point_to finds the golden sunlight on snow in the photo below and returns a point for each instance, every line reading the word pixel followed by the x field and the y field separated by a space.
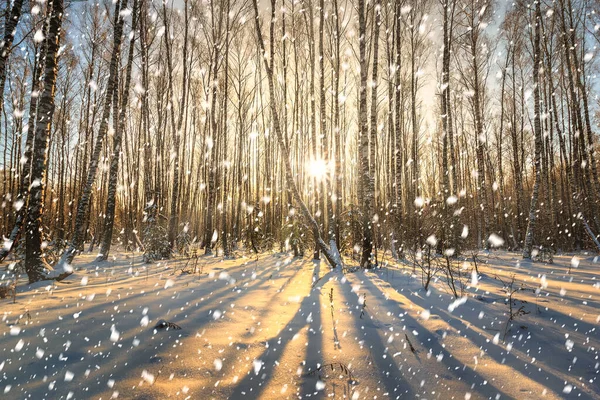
pixel 276 327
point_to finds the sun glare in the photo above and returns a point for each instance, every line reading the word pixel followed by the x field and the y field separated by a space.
pixel 317 169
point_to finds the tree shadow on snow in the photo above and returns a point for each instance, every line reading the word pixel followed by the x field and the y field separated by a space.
pixel 498 353
pixel 428 340
pixel 308 316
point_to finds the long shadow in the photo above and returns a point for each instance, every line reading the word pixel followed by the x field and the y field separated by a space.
pixel 552 381
pixel 79 359
pixel 393 379
pixel 301 265
pixel 264 313
pixel 162 350
pixel 431 342
pixel 255 382
pixel 543 301
pixel 539 301
pixel 336 388
pixel 314 349
pixel 234 350
pixel 103 305
pixel 192 294
pixel 530 268
pixel 65 289
pixel 554 320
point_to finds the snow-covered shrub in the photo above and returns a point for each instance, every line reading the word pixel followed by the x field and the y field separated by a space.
pixel 156 238
pixel 297 234
pixel 184 240
pixel 156 243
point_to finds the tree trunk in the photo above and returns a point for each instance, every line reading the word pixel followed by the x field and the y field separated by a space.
pixel 10 28
pixel 398 129
pixel 212 159
pixel 176 129
pixel 224 231
pixel 78 236
pixel 446 117
pixel 337 188
pixel 365 182
pixel 327 183
pixel 484 224
pixel 313 118
pixel 34 263
pixel 528 245
pixel 25 176
pixel 109 215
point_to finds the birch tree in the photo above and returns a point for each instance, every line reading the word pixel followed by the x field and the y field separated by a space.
pixel 109 215
pixel 537 62
pixel 333 259
pixel 63 266
pixel 35 265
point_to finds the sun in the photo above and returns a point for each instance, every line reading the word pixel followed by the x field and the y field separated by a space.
pixel 317 169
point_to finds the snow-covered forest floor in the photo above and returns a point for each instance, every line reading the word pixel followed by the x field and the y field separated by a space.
pixel 278 327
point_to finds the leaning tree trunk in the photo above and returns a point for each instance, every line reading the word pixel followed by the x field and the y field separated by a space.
pixel 332 257
pixel 68 255
pixel 527 247
pixel 35 266
pixel 109 215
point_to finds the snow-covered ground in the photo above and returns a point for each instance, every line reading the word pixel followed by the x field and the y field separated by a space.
pixel 278 327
